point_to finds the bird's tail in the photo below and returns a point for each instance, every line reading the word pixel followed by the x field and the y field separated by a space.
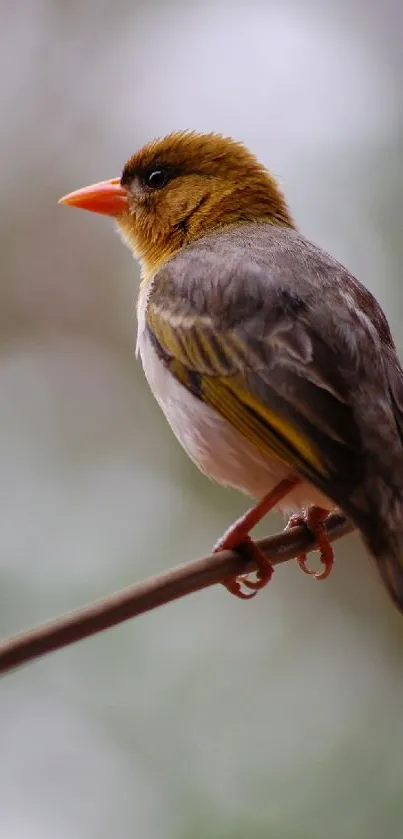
pixel 383 534
pixel 390 566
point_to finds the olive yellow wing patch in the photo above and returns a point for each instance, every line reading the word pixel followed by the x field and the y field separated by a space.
pixel 270 377
pixel 206 365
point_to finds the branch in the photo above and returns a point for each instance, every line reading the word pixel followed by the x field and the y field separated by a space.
pixel 136 599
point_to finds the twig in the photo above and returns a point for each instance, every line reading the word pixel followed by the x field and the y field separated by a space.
pixel 136 599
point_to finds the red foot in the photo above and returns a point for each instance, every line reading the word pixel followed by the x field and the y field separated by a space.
pixel 237 538
pixel 313 519
pixel 249 551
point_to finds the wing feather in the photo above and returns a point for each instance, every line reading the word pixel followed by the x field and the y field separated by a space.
pixel 254 355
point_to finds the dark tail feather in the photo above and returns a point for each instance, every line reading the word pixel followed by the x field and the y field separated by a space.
pixel 377 509
pixel 387 550
pixel 389 562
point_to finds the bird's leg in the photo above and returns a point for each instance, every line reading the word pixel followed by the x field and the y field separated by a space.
pixel 237 538
pixel 313 519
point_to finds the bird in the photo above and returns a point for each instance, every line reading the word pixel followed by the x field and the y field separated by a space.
pixel 274 366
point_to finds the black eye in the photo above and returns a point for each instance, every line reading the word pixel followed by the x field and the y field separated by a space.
pixel 156 178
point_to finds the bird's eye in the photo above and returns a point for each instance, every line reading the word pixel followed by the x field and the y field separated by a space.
pixel 156 178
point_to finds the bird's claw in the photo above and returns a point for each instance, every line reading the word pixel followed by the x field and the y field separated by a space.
pixel 237 538
pixel 233 585
pixel 314 519
pixel 249 551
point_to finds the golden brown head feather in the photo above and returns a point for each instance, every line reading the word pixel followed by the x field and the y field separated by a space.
pixel 208 181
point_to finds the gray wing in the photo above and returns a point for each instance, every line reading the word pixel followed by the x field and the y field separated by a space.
pixel 298 356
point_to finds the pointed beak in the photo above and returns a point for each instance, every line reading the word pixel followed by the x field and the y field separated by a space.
pixel 107 197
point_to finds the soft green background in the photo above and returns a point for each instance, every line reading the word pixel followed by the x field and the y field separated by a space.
pixel 209 718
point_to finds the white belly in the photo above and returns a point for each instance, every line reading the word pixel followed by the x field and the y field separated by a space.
pixel 217 448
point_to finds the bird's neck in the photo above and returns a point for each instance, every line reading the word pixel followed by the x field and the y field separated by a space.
pixel 214 212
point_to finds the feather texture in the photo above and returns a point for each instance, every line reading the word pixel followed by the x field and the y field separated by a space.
pixel 219 450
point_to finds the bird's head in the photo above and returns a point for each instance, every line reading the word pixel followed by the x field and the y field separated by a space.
pixel 181 187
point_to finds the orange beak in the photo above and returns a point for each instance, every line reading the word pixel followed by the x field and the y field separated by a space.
pixel 107 197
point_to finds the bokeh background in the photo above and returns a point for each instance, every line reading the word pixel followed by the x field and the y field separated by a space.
pixel 210 717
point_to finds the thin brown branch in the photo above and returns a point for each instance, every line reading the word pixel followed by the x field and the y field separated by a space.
pixel 136 599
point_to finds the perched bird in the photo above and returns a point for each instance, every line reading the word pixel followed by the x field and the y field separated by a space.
pixel 275 368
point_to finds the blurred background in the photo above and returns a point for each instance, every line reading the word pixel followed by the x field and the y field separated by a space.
pixel 210 717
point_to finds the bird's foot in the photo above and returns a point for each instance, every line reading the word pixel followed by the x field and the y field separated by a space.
pixel 237 538
pixel 249 550
pixel 314 519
